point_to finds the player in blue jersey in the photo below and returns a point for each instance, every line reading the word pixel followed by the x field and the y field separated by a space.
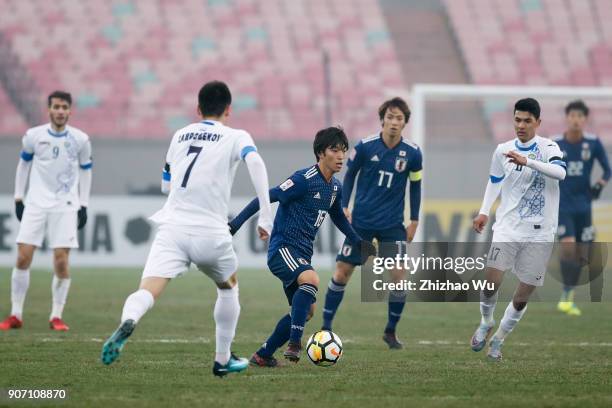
pixel 581 150
pixel 385 162
pixel 305 200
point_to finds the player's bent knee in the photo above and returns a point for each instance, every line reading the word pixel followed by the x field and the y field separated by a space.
pixel 61 267
pixel 310 277
pixel 25 254
pixel 24 261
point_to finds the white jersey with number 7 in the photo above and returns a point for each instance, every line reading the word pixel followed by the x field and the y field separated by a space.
pixel 201 164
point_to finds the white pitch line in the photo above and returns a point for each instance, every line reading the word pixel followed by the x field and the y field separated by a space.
pixel 522 344
pixel 203 340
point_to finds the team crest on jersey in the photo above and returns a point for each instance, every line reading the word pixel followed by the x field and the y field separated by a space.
pixel 286 185
pixel 400 164
pixel 402 153
pixel 302 261
pixel 586 152
pixel 333 198
pixel 532 156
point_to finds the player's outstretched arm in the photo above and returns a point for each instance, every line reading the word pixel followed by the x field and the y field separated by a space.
pixel 552 170
pixel 293 188
pixel 555 168
pixel 259 178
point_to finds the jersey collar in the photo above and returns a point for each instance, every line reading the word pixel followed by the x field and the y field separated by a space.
pixel 322 176
pixel 56 134
pixel 210 122
pixel 525 147
pixel 382 141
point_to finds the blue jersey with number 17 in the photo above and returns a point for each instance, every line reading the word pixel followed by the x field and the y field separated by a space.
pixel 381 187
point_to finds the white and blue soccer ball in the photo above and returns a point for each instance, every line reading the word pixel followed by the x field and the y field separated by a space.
pixel 324 348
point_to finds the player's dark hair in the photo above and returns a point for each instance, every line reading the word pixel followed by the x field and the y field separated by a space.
pixel 396 102
pixel 332 137
pixel 214 97
pixel 577 105
pixel 64 96
pixel 528 105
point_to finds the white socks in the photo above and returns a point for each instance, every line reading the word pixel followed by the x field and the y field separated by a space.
pixel 136 305
pixel 227 311
pixel 20 281
pixel 487 307
pixel 59 293
pixel 510 319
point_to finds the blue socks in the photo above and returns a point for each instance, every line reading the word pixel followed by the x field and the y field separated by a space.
pixel 279 336
pixel 397 301
pixel 333 298
pixel 300 306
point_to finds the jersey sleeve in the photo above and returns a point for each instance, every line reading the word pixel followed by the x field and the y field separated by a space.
pixel 353 165
pixel 27 147
pixel 340 220
pixel 602 157
pixel 244 145
pixel 554 154
pixel 496 172
pixel 85 158
pixel 291 189
pixel 416 167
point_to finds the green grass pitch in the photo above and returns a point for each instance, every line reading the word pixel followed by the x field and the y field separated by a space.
pixel 550 360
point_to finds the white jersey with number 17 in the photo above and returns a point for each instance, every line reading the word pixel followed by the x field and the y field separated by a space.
pixel 203 158
pixel 529 200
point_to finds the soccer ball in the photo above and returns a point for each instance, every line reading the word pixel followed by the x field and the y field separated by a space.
pixel 324 348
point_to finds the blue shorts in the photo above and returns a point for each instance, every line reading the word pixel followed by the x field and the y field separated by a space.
pixel 286 264
pixel 352 253
pixel 578 225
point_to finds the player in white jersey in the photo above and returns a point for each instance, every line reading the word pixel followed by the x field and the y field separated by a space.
pixel 56 159
pixel 526 171
pixel 200 166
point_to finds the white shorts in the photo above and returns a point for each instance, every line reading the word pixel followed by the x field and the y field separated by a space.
pixel 527 257
pixel 61 228
pixel 174 250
